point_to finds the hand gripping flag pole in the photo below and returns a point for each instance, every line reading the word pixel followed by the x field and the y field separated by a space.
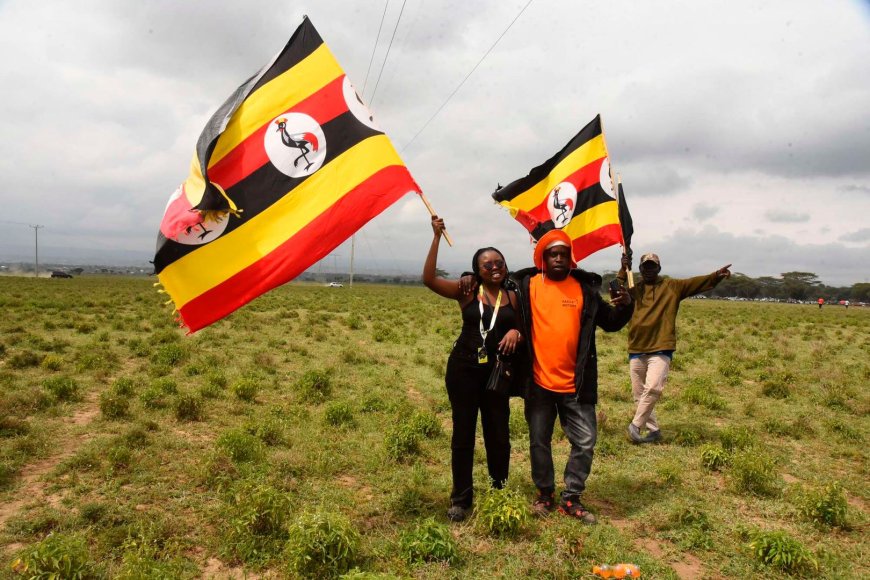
pixel 432 213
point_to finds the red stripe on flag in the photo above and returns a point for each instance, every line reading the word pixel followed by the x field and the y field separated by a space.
pixel 249 155
pixel 584 177
pixel 307 246
pixel 603 237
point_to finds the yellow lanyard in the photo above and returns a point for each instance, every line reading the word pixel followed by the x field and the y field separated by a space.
pixel 483 332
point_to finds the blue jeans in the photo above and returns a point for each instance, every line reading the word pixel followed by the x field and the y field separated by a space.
pixel 580 425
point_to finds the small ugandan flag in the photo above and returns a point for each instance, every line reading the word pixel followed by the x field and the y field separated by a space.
pixel 290 166
pixel 572 191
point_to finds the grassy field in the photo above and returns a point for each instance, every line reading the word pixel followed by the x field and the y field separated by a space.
pixel 308 435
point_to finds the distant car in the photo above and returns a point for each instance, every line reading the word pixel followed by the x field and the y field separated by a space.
pixel 335 285
pixel 59 274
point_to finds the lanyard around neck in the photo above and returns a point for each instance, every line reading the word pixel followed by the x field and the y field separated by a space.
pixel 483 332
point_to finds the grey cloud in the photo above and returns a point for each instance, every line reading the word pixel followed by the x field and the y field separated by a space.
pixel 785 216
pixel 861 235
pixel 703 211
pixel 855 188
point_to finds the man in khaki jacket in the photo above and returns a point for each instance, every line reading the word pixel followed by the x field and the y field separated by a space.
pixel 652 335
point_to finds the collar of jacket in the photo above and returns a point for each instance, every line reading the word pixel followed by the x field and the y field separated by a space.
pixel 578 274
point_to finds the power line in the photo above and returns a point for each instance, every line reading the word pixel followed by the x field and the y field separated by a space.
pixel 384 64
pixel 374 48
pixel 456 90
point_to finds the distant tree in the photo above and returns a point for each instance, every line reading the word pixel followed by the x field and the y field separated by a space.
pixel 800 285
pixel 439 273
pixel 77 271
pixel 860 292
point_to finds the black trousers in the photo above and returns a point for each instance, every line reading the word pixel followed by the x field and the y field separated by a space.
pixel 466 387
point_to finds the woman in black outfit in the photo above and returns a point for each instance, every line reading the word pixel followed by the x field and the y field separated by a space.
pixel 470 364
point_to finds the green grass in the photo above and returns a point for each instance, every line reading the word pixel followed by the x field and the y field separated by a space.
pixel 309 434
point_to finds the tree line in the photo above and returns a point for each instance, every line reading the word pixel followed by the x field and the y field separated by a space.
pixel 788 286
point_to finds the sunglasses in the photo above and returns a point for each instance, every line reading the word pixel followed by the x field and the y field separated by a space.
pixel 489 266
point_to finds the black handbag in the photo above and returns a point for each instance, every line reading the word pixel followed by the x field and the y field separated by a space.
pixel 501 379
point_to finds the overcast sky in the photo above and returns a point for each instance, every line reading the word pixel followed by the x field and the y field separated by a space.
pixel 741 128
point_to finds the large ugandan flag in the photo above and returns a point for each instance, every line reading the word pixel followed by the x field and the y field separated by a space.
pixel 289 167
pixel 572 191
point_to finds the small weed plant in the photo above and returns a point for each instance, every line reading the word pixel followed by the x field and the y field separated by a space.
pixel 315 386
pixel 754 472
pixel 502 512
pixel 339 414
pixel 240 446
pixel 256 523
pixel 246 389
pixel 428 541
pixel 62 388
pixel 402 442
pixel 321 545
pixel 114 405
pixel 57 556
pixel 779 550
pixel 826 506
pixel 188 407
pixel 714 457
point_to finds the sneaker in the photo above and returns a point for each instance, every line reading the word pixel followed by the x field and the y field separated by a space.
pixel 575 509
pixel 634 433
pixel 653 437
pixel 543 504
pixel 456 513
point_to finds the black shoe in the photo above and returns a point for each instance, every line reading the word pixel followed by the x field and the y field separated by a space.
pixel 456 513
pixel 653 437
pixel 543 505
pixel 575 509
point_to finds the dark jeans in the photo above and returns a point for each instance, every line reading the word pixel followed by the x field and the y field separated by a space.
pixel 580 425
pixel 466 387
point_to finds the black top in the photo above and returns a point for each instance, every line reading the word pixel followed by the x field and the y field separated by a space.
pixel 469 338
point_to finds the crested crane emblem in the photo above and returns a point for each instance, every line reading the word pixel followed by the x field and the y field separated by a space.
pixel 561 203
pixel 295 144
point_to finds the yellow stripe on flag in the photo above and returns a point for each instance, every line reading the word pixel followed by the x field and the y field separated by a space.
pixel 211 264
pixel 582 156
pixel 281 93
pixel 593 218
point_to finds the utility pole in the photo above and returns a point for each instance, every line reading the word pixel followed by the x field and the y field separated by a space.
pixel 36 240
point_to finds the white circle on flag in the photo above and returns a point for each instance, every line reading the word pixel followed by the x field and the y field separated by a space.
pixel 203 232
pixel 356 106
pixel 604 178
pixel 561 203
pixel 295 144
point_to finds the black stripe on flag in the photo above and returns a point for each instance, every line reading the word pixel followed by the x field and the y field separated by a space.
pixel 265 186
pixel 303 42
pixel 515 188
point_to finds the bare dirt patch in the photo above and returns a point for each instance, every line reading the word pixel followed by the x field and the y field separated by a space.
pixel 32 487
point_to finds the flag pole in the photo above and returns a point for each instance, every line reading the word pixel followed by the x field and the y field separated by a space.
pixel 625 250
pixel 432 213
pixel 613 186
